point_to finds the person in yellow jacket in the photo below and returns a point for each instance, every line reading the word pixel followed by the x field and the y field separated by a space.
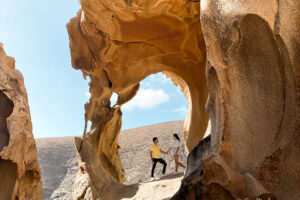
pixel 155 151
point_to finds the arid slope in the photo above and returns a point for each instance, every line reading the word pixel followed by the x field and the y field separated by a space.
pixel 59 166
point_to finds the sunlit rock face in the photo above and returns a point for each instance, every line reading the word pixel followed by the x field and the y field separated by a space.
pixel 253 75
pixel 249 51
pixel 118 44
pixel 19 169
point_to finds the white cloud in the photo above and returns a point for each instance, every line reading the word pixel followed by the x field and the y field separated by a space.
pixel 181 110
pixel 88 94
pixel 155 79
pixel 145 99
pixel 159 77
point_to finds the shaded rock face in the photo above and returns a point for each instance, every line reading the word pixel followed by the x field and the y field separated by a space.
pixel 19 169
pixel 253 73
pixel 251 89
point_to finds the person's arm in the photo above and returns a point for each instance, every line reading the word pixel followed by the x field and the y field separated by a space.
pixel 151 157
pixel 161 151
pixel 169 149
pixel 177 149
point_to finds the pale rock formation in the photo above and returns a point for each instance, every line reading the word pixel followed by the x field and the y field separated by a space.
pixel 251 52
pixel 19 169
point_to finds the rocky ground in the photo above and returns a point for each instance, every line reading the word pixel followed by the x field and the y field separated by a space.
pixel 162 189
pixel 59 166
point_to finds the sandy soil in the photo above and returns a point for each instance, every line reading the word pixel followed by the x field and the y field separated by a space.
pixel 59 166
pixel 163 189
pixel 58 163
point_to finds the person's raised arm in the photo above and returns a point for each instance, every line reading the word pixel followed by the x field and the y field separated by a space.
pixel 169 149
pixel 151 157
pixel 161 151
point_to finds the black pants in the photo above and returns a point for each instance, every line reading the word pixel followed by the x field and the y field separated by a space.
pixel 154 165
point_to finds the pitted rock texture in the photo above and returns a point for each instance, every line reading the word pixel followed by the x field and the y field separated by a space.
pixel 249 51
pixel 19 169
pixel 253 74
pixel 118 44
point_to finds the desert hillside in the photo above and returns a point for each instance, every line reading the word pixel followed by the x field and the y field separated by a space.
pixel 59 166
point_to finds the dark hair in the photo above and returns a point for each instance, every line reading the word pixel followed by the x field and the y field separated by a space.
pixel 175 135
pixel 155 138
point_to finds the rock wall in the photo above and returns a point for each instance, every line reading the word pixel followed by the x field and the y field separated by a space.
pixel 253 68
pixel 243 58
pixel 19 169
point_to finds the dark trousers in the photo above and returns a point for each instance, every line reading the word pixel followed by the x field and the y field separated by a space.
pixel 154 165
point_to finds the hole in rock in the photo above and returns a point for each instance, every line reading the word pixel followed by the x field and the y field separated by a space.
pixel 6 108
pixel 158 110
pixel 89 125
pixel 8 174
pixel 113 99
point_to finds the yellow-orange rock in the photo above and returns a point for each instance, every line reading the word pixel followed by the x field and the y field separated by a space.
pixel 250 53
pixel 118 44
pixel 19 169
pixel 253 75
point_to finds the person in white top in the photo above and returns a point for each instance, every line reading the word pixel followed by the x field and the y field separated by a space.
pixel 175 146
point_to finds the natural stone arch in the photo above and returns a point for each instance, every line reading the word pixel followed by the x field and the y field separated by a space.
pixel 141 39
pixel 249 45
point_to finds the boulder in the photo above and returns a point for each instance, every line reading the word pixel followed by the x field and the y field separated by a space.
pixel 253 69
pixel 19 168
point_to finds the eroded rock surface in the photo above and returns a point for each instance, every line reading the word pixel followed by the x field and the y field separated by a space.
pixel 19 169
pixel 253 69
pixel 251 52
pixel 119 43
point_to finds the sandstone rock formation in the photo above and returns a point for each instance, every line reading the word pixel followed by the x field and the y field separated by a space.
pixel 19 169
pixel 253 75
pixel 250 52
pixel 119 43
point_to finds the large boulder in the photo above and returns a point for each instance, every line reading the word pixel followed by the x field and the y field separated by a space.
pixel 253 75
pixel 19 169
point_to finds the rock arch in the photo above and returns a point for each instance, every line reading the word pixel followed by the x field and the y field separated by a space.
pixel 156 39
pixel 236 59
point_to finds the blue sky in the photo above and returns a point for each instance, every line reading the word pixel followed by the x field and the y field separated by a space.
pixel 34 32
